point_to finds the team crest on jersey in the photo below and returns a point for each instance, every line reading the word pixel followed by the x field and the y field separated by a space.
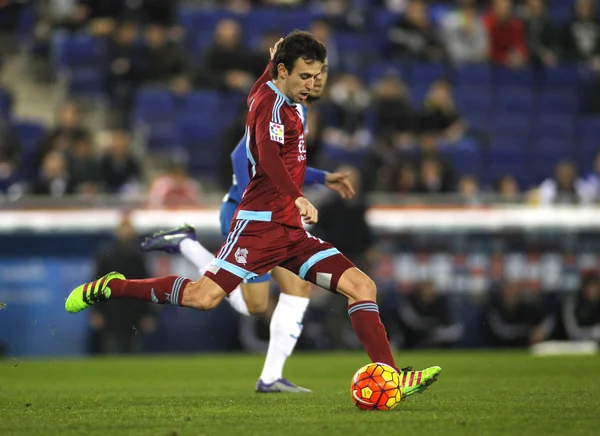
pixel 240 255
pixel 276 132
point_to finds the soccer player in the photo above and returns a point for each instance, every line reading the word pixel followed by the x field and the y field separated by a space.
pixel 267 229
pixel 251 297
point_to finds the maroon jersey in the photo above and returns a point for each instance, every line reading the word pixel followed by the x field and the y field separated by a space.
pixel 276 157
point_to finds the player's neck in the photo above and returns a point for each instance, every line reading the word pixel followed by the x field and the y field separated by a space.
pixel 279 85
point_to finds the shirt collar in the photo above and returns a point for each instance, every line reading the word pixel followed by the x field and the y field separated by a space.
pixel 274 88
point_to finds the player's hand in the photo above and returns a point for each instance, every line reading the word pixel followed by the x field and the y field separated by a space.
pixel 309 213
pixel 273 49
pixel 340 182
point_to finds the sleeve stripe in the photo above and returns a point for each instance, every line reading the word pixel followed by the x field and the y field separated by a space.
pixel 275 114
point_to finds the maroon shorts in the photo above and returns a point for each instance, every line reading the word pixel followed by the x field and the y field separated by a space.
pixel 253 248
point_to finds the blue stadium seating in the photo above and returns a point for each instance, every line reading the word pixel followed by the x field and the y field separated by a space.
pixel 514 99
pixel 557 101
pixel 78 50
pixel 425 73
pixel 523 76
pixel 6 103
pixel 511 124
pixel 153 104
pixel 562 75
pixel 557 126
pixel 478 74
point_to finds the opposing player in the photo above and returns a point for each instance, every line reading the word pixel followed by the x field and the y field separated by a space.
pixel 267 229
pixel 252 297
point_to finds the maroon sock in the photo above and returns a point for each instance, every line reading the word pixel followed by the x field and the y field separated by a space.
pixel 160 290
pixel 371 332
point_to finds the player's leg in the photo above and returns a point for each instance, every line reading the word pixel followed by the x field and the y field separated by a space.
pixel 256 294
pixel 183 240
pixel 285 329
pixel 203 294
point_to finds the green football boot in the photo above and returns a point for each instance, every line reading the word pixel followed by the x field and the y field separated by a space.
pixel 94 292
pixel 417 382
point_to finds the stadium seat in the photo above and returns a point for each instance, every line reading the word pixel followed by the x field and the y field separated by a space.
pixel 562 75
pixel 379 69
pixel 589 127
pixel 195 131
pixel 558 126
pixel 511 124
pixel 260 21
pixel 203 104
pixel 557 101
pixel 6 103
pixel 163 135
pixel 153 104
pixel 86 81
pixel 517 77
pixel 478 75
pixel 507 158
pixel 425 73
pixel 465 157
pixel 28 134
pixel 473 98
pixel 514 99
pixel 355 50
pixel 79 50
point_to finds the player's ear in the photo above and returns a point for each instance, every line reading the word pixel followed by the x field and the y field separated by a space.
pixel 282 71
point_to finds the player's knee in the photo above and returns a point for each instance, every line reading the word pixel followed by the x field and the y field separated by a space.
pixel 366 290
pixel 257 307
pixel 302 289
pixel 196 298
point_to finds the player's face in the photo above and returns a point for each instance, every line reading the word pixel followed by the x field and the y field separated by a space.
pixel 320 82
pixel 301 80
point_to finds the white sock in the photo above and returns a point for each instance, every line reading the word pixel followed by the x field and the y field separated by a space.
pixel 195 252
pixel 236 299
pixel 285 329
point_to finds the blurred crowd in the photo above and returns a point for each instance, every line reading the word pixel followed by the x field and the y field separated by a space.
pixel 406 134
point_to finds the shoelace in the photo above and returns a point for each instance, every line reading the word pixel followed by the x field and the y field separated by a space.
pixel 406 369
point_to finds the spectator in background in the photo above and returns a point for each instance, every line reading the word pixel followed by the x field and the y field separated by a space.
pixel 413 37
pixel 405 181
pixel 428 149
pixel 507 190
pixel 506 35
pixel 116 326
pixel 160 12
pixel 424 319
pixel 581 40
pixel 469 191
pixel 345 115
pixel 162 59
pixel 518 318
pixel 9 161
pixel 227 63
pixel 565 187
pixel 119 168
pixel 53 179
pixel 67 130
pixel 540 34
pixel 581 312
pixel 592 180
pixel 125 69
pixel 396 118
pixel 431 178
pixel 174 188
pixel 439 114
pixel 342 217
pixel 84 167
pixel 102 15
pixel 465 35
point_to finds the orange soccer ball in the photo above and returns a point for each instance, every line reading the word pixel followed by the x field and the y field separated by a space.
pixel 376 386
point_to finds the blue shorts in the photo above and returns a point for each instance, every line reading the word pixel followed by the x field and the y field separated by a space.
pixel 228 209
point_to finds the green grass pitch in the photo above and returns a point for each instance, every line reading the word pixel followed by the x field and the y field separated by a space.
pixel 478 393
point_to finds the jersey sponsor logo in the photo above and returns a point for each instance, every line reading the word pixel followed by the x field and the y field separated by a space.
pixel 240 256
pixel 301 149
pixel 276 132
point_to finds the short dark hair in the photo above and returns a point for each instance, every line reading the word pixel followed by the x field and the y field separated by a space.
pixel 296 45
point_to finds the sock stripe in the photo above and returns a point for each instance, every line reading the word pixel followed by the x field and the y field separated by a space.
pixel 369 307
pixel 176 296
pixel 175 290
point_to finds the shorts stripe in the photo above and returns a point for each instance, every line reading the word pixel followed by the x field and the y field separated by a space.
pixel 314 259
pixel 234 269
pixel 234 241
pixel 229 239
